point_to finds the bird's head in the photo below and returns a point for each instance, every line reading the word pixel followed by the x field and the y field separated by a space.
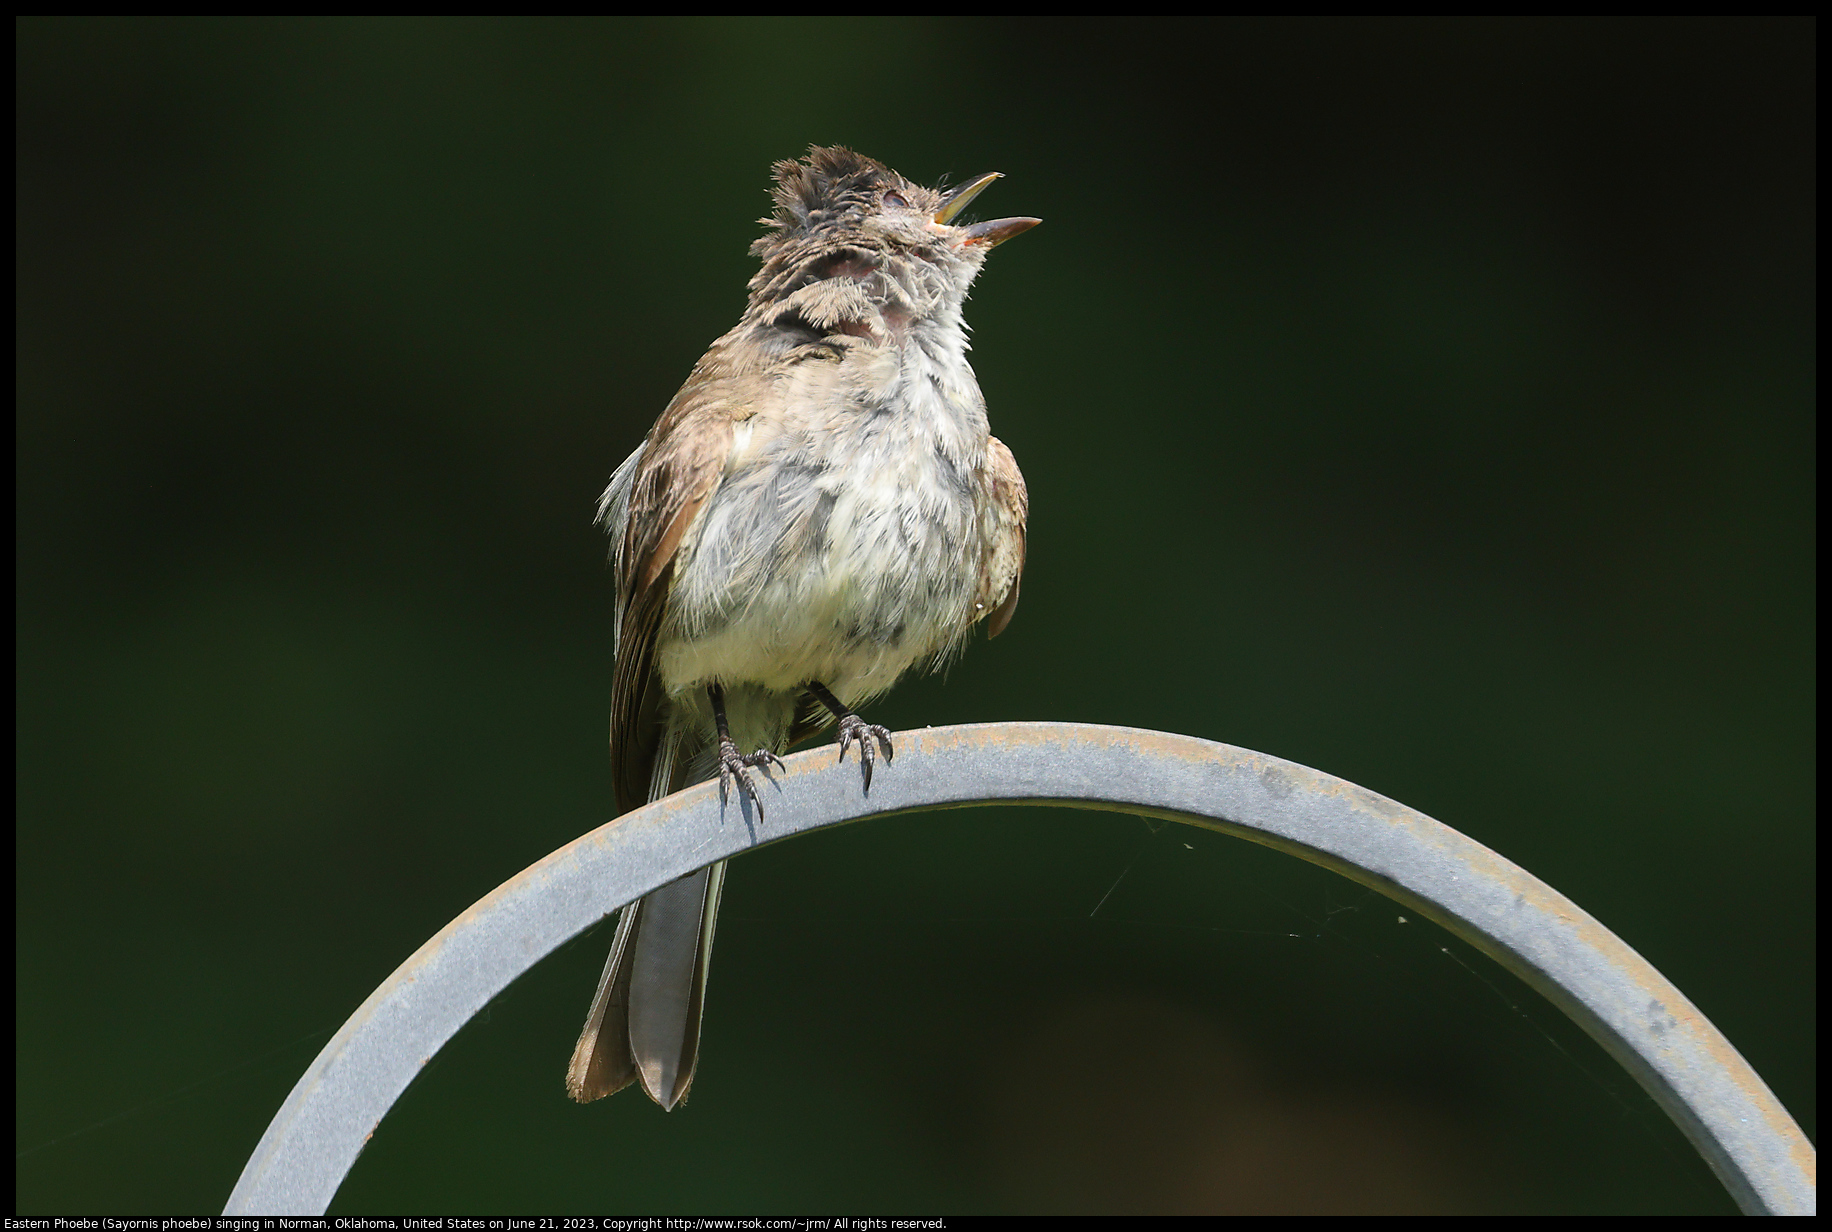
pixel 839 214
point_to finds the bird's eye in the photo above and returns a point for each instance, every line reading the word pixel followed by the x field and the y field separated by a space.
pixel 895 201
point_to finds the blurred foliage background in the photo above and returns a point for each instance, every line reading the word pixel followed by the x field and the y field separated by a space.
pixel 1427 402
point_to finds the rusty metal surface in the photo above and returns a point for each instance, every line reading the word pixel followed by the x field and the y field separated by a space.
pixel 1728 1113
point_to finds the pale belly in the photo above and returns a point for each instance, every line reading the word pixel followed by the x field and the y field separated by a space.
pixel 847 565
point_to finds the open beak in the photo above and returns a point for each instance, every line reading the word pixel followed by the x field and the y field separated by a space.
pixel 991 233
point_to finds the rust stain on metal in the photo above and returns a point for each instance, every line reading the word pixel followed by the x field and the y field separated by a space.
pixel 1654 1025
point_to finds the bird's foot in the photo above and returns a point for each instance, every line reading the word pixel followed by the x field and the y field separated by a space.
pixel 854 730
pixel 736 765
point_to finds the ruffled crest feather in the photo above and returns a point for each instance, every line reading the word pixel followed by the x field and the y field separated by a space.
pixel 826 185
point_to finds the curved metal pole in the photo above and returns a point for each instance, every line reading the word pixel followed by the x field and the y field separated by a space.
pixel 1690 1069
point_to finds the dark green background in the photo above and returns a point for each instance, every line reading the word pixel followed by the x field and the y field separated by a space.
pixel 1430 403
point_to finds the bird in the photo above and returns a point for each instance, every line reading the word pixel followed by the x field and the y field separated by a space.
pixel 819 511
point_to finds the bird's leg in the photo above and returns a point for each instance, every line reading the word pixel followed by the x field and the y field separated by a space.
pixel 853 729
pixel 732 763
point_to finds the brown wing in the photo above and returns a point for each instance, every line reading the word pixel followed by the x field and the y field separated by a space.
pixel 1006 512
pixel 679 469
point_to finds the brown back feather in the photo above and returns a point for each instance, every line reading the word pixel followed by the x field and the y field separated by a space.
pixel 680 468
pixel 1011 512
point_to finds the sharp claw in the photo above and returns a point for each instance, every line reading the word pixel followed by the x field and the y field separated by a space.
pixel 735 765
pixel 854 730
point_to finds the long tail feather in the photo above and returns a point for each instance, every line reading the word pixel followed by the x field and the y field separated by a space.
pixel 645 1017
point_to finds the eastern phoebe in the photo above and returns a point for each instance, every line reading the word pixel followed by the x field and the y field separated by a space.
pixel 820 509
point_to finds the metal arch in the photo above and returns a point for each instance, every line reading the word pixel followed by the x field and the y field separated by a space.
pixel 1690 1069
